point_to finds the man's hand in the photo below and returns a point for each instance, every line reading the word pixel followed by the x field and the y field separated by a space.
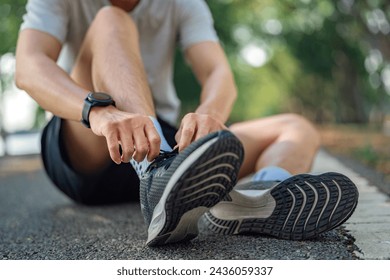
pixel 210 66
pixel 194 126
pixel 135 134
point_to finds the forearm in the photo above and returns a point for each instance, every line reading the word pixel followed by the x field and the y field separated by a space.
pixel 217 98
pixel 218 94
pixel 50 86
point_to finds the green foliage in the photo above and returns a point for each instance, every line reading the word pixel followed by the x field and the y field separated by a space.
pixel 329 44
pixel 186 84
pixel 11 12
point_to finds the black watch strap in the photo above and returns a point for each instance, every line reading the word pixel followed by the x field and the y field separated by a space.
pixel 85 113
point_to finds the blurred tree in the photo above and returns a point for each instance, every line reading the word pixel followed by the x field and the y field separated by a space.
pixel 328 60
pixel 333 41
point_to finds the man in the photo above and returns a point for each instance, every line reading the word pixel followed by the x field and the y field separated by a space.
pixel 119 56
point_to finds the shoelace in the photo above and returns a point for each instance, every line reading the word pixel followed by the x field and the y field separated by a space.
pixel 162 157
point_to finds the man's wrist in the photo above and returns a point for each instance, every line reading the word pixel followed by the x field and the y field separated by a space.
pixel 96 113
pixel 94 99
pixel 212 113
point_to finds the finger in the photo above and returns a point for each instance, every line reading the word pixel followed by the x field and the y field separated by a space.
pixel 154 140
pixel 141 145
pixel 202 131
pixel 113 148
pixel 187 135
pixel 177 137
pixel 127 145
pixel 208 126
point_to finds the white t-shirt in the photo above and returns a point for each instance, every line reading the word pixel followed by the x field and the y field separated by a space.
pixel 162 24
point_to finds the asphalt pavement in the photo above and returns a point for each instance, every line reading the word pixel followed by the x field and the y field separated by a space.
pixel 38 222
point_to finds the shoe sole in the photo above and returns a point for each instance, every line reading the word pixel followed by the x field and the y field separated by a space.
pixel 204 174
pixel 299 208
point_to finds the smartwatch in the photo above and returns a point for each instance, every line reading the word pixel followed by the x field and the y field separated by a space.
pixel 95 99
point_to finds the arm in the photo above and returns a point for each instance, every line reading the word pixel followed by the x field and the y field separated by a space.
pixel 219 92
pixel 38 74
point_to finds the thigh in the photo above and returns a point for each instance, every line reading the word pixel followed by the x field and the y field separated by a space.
pixel 86 152
pixel 111 184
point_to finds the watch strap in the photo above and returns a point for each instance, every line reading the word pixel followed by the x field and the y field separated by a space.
pixel 85 113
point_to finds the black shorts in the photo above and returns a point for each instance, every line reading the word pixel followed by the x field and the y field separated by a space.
pixel 114 184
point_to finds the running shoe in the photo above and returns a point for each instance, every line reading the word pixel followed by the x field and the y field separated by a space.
pixel 299 208
pixel 178 188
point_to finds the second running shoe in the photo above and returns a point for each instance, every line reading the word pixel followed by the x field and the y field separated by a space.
pixel 301 207
pixel 178 188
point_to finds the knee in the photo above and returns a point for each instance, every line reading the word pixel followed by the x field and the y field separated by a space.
pixel 113 18
pixel 110 14
pixel 301 125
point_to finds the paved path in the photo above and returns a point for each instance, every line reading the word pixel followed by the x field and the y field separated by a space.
pixel 38 222
pixel 370 224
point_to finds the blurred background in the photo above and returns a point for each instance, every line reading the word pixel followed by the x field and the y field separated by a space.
pixel 328 60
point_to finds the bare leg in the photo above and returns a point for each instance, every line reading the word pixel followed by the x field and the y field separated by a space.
pixel 109 61
pixel 287 141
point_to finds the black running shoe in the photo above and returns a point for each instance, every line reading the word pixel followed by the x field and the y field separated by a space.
pixel 301 207
pixel 178 188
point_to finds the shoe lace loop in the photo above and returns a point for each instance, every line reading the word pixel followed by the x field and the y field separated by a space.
pixel 162 158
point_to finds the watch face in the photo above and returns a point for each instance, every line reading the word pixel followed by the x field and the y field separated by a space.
pixel 100 96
